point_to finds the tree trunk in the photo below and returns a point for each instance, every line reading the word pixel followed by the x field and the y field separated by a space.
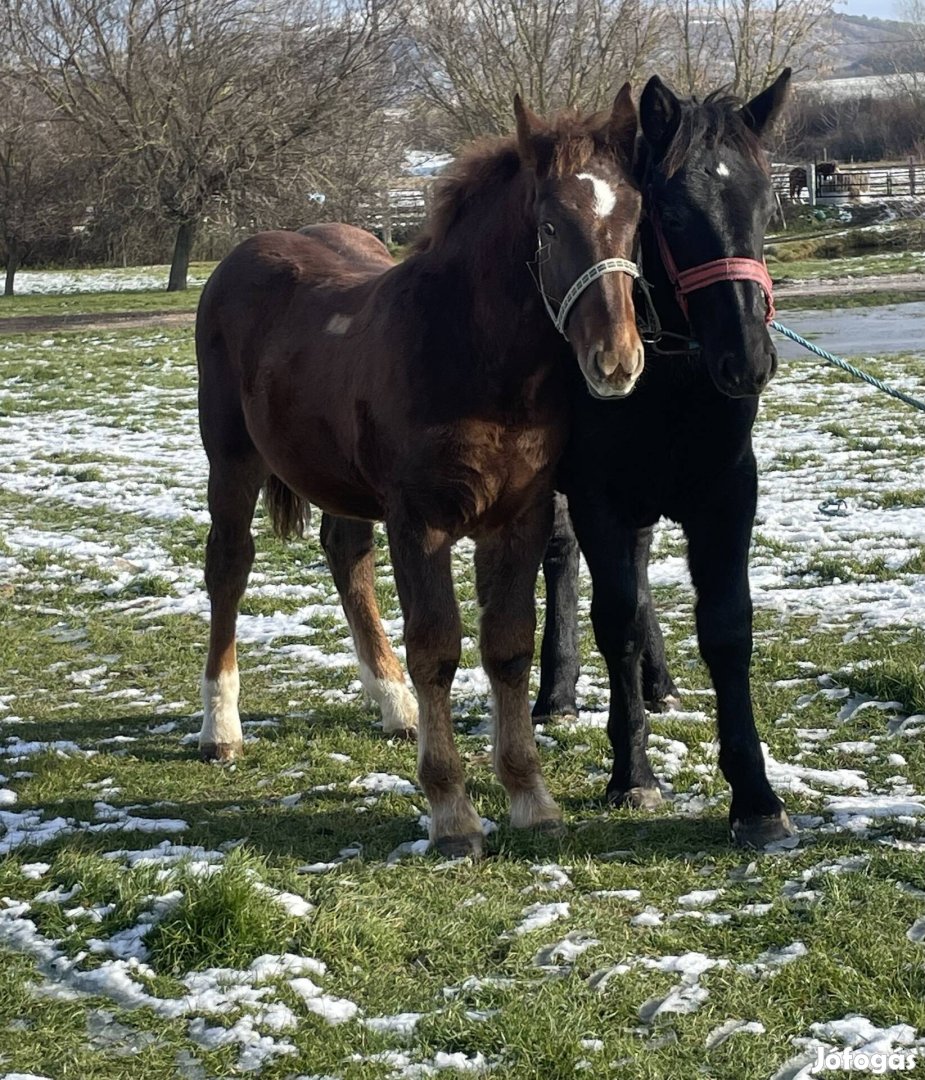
pixel 182 248
pixel 12 265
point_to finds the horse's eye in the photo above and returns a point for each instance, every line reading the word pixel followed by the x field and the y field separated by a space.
pixel 548 228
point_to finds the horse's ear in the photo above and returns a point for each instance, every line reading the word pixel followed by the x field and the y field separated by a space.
pixel 761 112
pixel 624 122
pixel 660 113
pixel 531 143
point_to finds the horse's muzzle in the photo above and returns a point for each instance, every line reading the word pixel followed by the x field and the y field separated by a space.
pixel 612 373
pixel 738 377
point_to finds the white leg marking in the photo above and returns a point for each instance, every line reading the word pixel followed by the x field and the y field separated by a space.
pixel 605 198
pixel 221 724
pixel 398 705
pixel 534 807
pixel 452 814
pixel 531 805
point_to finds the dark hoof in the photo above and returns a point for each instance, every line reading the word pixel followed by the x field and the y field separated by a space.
pixel 460 846
pixel 409 734
pixel 637 798
pixel 222 752
pixel 555 712
pixel 759 831
pixel 565 717
pixel 668 703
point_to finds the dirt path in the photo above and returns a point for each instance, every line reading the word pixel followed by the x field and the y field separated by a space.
pixel 132 320
pixel 828 286
pixel 104 320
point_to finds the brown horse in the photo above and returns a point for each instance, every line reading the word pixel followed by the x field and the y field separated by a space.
pixel 428 395
pixel 797 177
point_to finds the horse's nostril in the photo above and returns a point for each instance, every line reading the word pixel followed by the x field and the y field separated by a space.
pixel 609 364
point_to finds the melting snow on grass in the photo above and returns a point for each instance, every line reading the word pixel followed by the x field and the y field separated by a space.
pixel 122 545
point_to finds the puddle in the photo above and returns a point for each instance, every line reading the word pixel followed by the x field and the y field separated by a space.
pixel 871 331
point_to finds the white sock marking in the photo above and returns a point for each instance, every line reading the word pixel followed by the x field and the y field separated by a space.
pixel 605 198
pixel 220 721
pixel 397 704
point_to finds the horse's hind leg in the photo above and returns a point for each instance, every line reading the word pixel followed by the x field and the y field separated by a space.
pixel 559 651
pixel 351 555
pixel 236 474
pixel 506 565
pixel 233 492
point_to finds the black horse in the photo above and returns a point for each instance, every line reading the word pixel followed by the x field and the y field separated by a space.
pixel 679 447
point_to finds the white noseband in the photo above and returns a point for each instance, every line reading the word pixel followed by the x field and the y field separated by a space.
pixel 598 270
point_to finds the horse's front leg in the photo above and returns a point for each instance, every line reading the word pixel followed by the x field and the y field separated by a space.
pixel 421 561
pixel 559 652
pixel 620 617
pixel 658 688
pixel 718 545
pixel 506 564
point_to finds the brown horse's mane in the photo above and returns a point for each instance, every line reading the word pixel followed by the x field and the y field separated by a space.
pixel 715 120
pixel 567 143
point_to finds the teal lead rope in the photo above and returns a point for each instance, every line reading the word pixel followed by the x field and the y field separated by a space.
pixel 839 362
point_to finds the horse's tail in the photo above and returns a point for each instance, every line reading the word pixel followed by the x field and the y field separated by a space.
pixel 289 513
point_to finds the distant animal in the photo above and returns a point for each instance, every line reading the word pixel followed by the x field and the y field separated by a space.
pixel 854 184
pixel 430 395
pixel 825 170
pixel 860 183
pixel 797 180
pixel 680 446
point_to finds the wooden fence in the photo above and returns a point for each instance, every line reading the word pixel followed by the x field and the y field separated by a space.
pixel 826 183
pixel 400 211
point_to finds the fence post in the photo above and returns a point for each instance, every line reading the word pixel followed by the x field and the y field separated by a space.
pixel 911 176
pixel 811 182
pixel 387 221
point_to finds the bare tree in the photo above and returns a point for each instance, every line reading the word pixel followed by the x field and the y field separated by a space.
pixel 471 56
pixel 742 44
pixel 41 190
pixel 906 59
pixel 187 101
pixel 765 36
pixel 688 56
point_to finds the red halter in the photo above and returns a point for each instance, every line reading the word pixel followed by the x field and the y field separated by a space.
pixel 708 273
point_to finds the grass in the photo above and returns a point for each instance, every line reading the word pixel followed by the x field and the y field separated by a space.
pixel 827 301
pixel 141 302
pixel 92 302
pixel 217 923
pixel 101 493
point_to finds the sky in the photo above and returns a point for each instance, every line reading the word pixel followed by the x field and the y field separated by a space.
pixel 874 9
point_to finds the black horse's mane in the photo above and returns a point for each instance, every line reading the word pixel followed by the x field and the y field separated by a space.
pixel 715 121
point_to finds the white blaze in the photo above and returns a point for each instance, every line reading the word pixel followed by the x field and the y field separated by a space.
pixel 605 197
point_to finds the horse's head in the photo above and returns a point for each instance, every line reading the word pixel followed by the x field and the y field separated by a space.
pixel 709 199
pixel 586 208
